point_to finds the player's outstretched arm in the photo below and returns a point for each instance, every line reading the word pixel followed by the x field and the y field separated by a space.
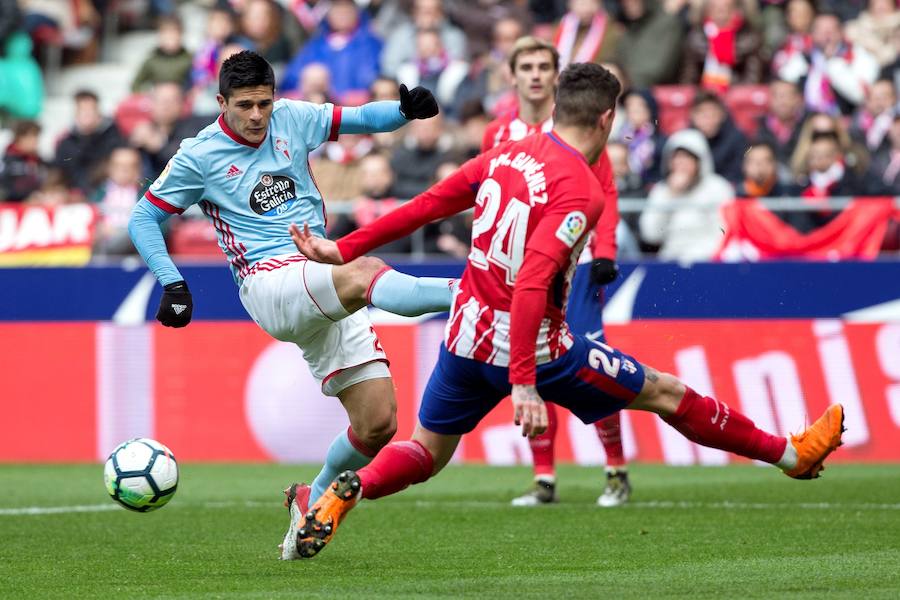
pixel 176 305
pixel 315 248
pixel 376 117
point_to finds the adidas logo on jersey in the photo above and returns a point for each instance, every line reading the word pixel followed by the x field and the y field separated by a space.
pixel 233 171
pixel 179 308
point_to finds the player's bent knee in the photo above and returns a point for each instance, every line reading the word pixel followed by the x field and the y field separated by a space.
pixel 378 430
pixel 662 393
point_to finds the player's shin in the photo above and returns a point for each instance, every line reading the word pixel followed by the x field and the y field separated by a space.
pixel 346 452
pixel 397 466
pixel 707 421
pixel 543 448
pixel 410 296
pixel 609 430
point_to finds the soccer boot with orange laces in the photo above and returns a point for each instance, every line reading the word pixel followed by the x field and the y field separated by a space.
pixel 297 502
pixel 322 520
pixel 815 444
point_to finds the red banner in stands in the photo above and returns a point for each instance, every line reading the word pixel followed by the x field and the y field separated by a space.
pixel 46 235
pixel 227 392
pixel 753 232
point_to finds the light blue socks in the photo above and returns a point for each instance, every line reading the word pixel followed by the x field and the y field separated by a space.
pixel 410 296
pixel 341 456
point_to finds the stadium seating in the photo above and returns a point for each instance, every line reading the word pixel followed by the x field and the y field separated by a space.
pixel 134 109
pixel 674 106
pixel 746 104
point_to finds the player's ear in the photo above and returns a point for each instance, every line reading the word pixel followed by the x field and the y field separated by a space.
pixel 222 102
pixel 606 118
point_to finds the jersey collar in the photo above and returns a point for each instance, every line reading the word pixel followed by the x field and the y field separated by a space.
pixel 553 136
pixel 240 140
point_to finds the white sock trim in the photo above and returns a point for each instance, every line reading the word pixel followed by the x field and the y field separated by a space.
pixel 789 458
pixel 319 284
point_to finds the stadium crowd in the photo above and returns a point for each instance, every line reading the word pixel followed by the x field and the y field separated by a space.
pixel 724 100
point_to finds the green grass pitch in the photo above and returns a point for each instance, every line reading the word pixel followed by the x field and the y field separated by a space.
pixel 719 532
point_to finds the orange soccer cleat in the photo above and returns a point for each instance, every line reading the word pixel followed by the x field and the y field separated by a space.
pixel 322 519
pixel 818 441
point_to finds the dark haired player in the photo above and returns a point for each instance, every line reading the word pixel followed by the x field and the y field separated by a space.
pixel 250 175
pixel 534 64
pixel 535 201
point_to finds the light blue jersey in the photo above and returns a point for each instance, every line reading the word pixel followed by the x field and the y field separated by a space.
pixel 252 192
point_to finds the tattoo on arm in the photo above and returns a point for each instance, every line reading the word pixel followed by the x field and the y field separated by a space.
pixel 651 374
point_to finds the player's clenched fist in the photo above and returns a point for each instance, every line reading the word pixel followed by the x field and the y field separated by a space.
pixel 176 305
pixel 530 410
pixel 417 103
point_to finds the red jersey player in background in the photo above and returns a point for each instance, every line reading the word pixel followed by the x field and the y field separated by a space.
pixel 535 201
pixel 534 64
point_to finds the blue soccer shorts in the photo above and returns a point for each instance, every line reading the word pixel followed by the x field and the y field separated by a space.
pixel 592 380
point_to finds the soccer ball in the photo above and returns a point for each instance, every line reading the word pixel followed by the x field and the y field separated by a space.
pixel 141 475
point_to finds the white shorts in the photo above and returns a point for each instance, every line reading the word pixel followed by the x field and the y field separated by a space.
pixel 294 300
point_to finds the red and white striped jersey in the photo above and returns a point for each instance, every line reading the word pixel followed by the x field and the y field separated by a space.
pixel 533 197
pixel 511 128
pixel 603 241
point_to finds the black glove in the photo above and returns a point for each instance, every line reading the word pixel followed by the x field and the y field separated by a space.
pixel 604 271
pixel 176 305
pixel 417 103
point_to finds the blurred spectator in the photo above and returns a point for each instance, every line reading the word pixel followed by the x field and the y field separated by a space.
pixel 650 48
pixel 21 80
pixel 416 159
pixel 834 73
pixel 846 10
pixel 315 84
pixel 826 172
pixel 346 46
pixel 203 98
pixel 158 139
pixel 385 15
pixel 488 78
pixel 760 173
pixel 780 128
pixel 385 88
pixel 22 171
pixel 55 190
pixel 724 49
pixel 874 30
pixel 433 68
pixel 628 184
pixel 452 236
pixel 587 33
pixel 873 120
pixel 115 199
pixel 640 134
pixel 169 61
pixel 220 30
pixel 426 14
pixel 546 12
pixel 619 118
pixel 377 197
pixel 89 143
pixel 727 143
pixel 799 15
pixel 337 170
pixel 855 156
pixel 826 175
pixel 891 72
pixel 261 23
pixel 479 18
pixel 71 24
pixel 682 214
pixel 473 123
pixel 309 13
pixel 10 20
pixel 886 164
